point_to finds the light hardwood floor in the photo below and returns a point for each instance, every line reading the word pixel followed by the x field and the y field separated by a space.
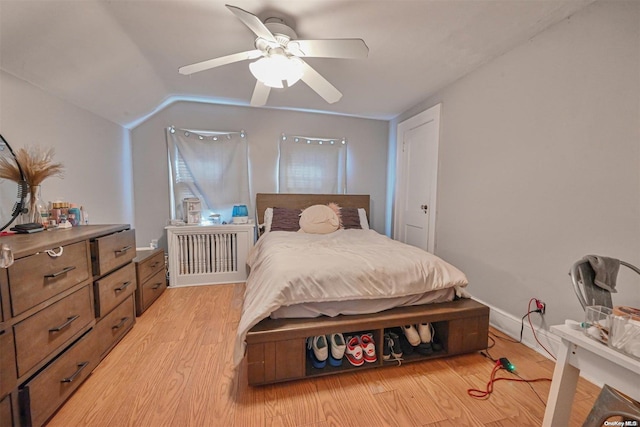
pixel 175 369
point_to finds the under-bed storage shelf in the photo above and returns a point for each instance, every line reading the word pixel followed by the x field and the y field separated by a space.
pixel 276 349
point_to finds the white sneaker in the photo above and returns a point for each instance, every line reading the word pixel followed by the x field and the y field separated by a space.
pixel 412 335
pixel 319 347
pixel 338 346
pixel 424 330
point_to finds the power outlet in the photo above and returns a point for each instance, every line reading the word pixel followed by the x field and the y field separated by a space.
pixel 541 306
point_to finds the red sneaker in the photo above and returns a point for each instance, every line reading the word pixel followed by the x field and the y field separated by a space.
pixel 354 351
pixel 368 348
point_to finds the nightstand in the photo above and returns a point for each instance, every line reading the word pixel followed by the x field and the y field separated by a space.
pixel 151 275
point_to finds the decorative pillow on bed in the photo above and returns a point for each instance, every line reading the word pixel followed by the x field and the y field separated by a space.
pixel 355 218
pixel 350 218
pixel 285 219
pixel 319 219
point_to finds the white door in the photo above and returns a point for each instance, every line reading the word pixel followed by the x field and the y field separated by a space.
pixel 417 174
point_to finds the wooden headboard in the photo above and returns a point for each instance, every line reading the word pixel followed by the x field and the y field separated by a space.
pixel 302 201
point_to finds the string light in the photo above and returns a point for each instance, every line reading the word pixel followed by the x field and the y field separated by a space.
pixel 206 137
pixel 310 140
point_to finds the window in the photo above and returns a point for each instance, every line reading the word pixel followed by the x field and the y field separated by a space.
pixel 312 165
pixel 212 166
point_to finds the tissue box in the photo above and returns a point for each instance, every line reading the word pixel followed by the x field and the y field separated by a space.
pixel 597 319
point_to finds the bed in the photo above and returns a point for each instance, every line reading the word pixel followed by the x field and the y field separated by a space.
pixel 301 284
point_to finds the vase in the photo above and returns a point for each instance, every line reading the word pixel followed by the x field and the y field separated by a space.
pixel 37 209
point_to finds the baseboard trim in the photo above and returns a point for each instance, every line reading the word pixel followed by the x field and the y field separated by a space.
pixel 510 325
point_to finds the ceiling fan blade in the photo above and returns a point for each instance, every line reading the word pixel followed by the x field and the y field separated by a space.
pixel 216 62
pixel 333 48
pixel 260 94
pixel 253 22
pixel 320 84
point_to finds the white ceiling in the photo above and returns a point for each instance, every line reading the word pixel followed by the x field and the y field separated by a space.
pixel 119 59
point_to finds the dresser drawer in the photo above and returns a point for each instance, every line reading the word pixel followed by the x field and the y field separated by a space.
pixel 8 376
pixel 113 251
pixel 150 266
pixel 39 335
pixel 42 395
pixel 115 325
pixel 6 413
pixel 38 277
pixel 150 290
pixel 111 290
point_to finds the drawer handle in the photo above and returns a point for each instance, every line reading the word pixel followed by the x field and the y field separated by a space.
pixel 70 379
pixel 61 272
pixel 155 264
pixel 121 324
pixel 65 324
pixel 123 287
pixel 123 250
pixel 156 286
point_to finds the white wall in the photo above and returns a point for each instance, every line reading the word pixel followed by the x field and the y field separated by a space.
pixel 95 152
pixel 540 161
pixel 366 156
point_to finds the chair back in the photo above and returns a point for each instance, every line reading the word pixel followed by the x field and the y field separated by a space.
pixel 588 293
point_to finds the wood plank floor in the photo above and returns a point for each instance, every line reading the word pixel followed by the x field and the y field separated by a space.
pixel 175 369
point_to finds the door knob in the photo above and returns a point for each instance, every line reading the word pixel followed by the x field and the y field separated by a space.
pixel 424 207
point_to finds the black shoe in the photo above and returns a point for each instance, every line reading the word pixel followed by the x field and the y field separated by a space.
pixel 405 345
pixel 394 345
pixel 386 348
pixel 425 349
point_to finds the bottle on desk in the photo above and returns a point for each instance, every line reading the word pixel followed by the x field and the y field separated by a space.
pixel 75 216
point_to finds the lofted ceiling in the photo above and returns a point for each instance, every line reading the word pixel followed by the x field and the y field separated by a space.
pixel 119 59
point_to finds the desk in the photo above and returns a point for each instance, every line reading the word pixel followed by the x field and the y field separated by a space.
pixel 577 352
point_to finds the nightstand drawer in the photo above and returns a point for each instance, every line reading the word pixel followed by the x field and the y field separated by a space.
pixel 113 326
pixel 41 396
pixel 150 290
pixel 113 251
pixel 43 333
pixel 111 290
pixel 150 266
pixel 38 277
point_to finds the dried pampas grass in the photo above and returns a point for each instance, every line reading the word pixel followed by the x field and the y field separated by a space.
pixel 36 163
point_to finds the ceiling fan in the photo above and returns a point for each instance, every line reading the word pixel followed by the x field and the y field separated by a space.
pixel 279 58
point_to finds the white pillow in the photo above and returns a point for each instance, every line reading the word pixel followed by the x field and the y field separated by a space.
pixel 268 217
pixel 364 223
pixel 319 219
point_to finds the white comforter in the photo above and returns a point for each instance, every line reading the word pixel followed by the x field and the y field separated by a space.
pixel 292 268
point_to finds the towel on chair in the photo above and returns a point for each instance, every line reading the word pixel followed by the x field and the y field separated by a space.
pixel 606 270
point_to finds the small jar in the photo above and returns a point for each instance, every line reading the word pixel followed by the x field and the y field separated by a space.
pixel 215 218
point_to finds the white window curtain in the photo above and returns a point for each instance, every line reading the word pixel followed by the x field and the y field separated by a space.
pixel 212 166
pixel 312 165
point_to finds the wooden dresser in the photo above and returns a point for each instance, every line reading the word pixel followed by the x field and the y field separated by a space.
pixel 151 275
pixel 64 303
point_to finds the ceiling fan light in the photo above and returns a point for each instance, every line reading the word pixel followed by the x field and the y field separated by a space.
pixel 294 70
pixel 272 70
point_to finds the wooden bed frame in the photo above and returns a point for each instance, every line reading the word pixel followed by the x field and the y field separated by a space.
pixel 276 349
